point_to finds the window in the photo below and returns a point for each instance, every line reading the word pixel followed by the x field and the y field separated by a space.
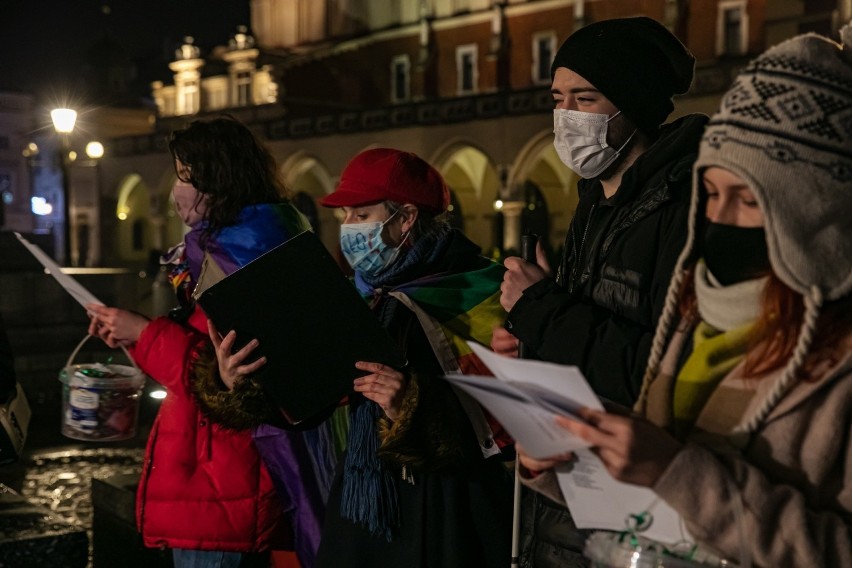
pixel 466 67
pixel 189 98
pixel 242 88
pixel 308 207
pixel 400 78
pixel 732 28
pixel 456 213
pixel 461 6
pixel 6 186
pixel 543 48
pixel 216 99
pixel 169 105
pixel 138 235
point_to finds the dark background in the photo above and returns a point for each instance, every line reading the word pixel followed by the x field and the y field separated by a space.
pixel 54 48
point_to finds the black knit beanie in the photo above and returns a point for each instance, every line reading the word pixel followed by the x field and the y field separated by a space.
pixel 636 63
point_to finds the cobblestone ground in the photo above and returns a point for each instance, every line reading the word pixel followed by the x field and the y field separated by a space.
pixel 61 480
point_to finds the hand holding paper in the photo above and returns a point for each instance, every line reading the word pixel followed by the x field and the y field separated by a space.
pixel 532 399
pixel 116 327
pixel 632 449
pixel 528 397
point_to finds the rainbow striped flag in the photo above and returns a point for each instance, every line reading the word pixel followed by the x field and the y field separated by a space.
pixel 466 305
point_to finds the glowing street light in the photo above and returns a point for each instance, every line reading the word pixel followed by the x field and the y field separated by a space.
pixel 63 120
pixel 95 150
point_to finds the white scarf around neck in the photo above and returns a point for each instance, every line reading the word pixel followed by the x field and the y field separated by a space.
pixel 727 307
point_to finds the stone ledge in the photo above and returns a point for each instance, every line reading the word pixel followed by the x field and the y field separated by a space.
pixel 32 536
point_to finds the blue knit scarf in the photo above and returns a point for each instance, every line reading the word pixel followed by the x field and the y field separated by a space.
pixel 369 497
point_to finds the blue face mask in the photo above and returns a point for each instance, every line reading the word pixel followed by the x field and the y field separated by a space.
pixel 364 248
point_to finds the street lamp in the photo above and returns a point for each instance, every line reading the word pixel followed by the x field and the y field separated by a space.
pixel 63 122
pixel 95 150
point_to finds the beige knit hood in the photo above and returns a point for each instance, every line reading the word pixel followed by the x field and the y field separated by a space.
pixel 785 127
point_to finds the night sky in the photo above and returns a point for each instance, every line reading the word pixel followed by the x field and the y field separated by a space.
pixel 47 46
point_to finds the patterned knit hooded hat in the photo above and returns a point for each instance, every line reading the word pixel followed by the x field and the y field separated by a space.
pixel 785 128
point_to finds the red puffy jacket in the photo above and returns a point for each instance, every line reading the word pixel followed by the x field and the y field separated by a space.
pixel 203 487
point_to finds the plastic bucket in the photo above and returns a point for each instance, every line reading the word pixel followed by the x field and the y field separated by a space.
pixel 100 402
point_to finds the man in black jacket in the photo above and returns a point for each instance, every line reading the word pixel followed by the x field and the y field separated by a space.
pixel 613 83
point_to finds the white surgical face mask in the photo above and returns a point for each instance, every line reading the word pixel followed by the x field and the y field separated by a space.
pixel 364 249
pixel 580 141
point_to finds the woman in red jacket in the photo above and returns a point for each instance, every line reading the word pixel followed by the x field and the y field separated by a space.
pixel 204 491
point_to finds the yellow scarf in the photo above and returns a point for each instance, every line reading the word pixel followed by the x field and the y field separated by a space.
pixel 714 354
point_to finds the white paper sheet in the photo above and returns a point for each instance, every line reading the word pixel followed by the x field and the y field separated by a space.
pixel 525 420
pixel 563 380
pixel 525 397
pixel 598 501
pixel 77 291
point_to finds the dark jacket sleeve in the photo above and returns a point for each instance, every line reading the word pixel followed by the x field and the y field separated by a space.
pixel 610 349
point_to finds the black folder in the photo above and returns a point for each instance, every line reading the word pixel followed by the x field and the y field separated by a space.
pixel 311 323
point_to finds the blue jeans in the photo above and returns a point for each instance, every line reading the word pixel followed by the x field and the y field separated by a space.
pixel 205 558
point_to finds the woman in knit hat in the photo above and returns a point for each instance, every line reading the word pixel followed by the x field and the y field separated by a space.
pixel 745 424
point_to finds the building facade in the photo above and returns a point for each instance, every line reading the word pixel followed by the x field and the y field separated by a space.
pixel 463 83
pixel 16 128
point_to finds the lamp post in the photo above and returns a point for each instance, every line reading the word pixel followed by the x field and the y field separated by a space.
pixel 89 235
pixel 63 122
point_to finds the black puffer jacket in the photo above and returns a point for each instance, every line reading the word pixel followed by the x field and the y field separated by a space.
pixel 601 311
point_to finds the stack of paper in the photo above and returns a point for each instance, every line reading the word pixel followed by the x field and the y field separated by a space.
pixel 525 396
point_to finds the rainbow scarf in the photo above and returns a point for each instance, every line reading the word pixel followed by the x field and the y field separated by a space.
pixel 467 307
pixel 445 276
pixel 258 229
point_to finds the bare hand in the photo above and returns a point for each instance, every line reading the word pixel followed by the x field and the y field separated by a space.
pixel 536 466
pixel 504 343
pixel 231 368
pixel 519 276
pixel 632 449
pixel 385 386
pixel 115 326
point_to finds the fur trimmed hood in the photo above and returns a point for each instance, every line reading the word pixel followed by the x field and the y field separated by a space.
pixel 243 408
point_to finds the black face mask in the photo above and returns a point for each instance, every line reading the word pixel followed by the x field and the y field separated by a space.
pixel 735 254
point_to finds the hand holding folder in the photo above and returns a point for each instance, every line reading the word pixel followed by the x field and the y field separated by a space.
pixel 310 322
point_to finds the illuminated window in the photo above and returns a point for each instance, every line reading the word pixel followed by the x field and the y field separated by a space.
pixel 189 97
